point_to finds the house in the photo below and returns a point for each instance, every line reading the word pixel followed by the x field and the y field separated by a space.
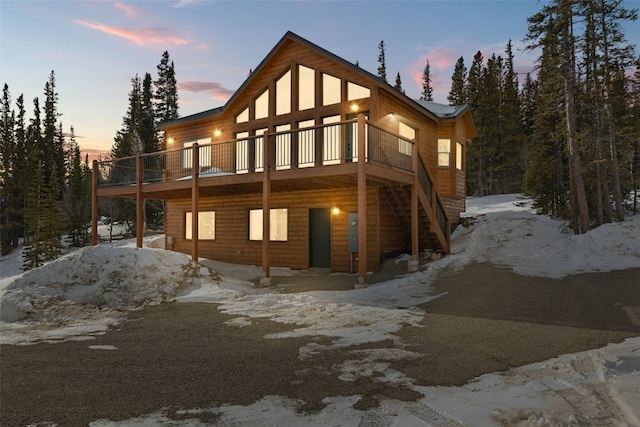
pixel 313 162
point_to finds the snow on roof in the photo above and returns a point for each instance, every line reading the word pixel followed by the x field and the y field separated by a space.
pixel 442 111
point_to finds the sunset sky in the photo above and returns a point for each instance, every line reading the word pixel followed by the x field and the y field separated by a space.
pixel 97 47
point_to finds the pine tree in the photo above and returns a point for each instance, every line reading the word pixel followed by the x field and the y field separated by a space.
pixel 7 170
pixel 166 94
pixel 398 85
pixel 43 219
pixel 77 195
pixel 457 94
pixel 553 26
pixel 52 141
pixel 382 66
pixel 427 89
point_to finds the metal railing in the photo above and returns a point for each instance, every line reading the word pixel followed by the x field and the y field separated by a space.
pixel 316 146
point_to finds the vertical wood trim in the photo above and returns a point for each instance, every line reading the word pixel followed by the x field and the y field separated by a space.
pixel 94 204
pixel 139 202
pixel 195 195
pixel 414 202
pixel 266 206
pixel 362 203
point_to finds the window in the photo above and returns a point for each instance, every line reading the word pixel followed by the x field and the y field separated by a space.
pixel 306 144
pixel 283 147
pixel 206 225
pixel 277 224
pixel 242 152
pixel 332 139
pixel 330 90
pixel 306 88
pixel 355 91
pixel 243 117
pixel 283 94
pixel 408 133
pixel 204 157
pixel 444 152
pixel 262 105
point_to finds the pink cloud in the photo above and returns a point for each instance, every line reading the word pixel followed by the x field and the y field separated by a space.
pixel 127 9
pixel 442 61
pixel 140 36
pixel 215 90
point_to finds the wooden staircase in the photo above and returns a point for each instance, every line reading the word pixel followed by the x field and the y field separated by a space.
pixel 433 224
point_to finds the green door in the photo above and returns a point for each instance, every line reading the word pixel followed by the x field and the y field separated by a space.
pixel 320 238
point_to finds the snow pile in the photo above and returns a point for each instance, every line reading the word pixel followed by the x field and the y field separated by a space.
pixel 100 277
pixel 507 234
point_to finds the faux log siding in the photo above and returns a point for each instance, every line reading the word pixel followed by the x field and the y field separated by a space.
pixel 232 218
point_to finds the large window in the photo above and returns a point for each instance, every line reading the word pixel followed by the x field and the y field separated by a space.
pixel 306 88
pixel 408 133
pixel 204 156
pixel 306 144
pixel 262 105
pixel 355 91
pixel 283 94
pixel 206 225
pixel 277 224
pixel 243 116
pixel 330 90
pixel 332 141
pixel 283 147
pixel 444 152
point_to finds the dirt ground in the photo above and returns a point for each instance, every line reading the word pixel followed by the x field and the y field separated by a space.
pixel 183 355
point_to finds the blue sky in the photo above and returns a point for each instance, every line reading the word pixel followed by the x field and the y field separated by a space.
pixel 96 47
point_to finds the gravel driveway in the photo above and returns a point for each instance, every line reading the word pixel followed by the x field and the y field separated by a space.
pixel 183 355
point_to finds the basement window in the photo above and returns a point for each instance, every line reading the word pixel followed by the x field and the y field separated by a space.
pixel 278 224
pixel 206 225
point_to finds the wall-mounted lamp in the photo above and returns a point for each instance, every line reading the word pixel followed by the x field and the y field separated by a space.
pixel 170 140
pixel 217 133
pixel 355 107
pixel 335 210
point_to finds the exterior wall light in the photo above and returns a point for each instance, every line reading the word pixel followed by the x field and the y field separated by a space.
pixel 335 210
pixel 355 107
pixel 217 133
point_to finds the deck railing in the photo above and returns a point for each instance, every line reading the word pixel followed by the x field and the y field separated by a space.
pixel 317 146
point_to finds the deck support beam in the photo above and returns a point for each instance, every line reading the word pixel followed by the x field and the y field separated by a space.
pixel 94 204
pixel 266 211
pixel 412 265
pixel 362 202
pixel 139 203
pixel 195 195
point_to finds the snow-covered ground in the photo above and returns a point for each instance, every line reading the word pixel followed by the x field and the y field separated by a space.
pixel 82 294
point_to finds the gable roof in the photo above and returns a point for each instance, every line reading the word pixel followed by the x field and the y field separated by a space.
pixel 440 111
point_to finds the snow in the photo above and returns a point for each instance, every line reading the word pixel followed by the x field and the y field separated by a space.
pixel 85 292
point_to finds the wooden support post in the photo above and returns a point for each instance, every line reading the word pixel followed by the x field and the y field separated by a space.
pixel 412 265
pixel 266 211
pixel 139 203
pixel 94 204
pixel 195 195
pixel 362 203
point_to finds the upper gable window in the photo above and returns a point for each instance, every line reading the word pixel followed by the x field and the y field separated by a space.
pixel 306 88
pixel 330 90
pixel 243 117
pixel 355 91
pixel 262 105
pixel 283 94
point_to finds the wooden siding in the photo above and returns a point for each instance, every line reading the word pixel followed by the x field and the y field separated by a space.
pixel 232 243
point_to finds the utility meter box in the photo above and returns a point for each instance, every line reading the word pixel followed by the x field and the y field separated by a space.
pixel 353 232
